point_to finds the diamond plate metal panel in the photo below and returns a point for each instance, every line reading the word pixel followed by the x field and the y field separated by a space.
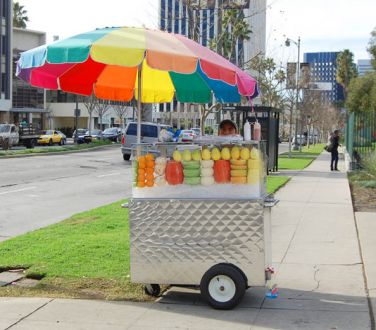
pixel 176 241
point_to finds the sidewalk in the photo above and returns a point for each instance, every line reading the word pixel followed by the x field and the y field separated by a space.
pixel 319 273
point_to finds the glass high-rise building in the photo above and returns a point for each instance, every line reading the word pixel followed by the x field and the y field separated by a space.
pixel 181 16
pixel 364 66
pixel 6 59
pixel 323 68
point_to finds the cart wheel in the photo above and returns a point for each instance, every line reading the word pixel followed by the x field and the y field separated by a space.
pixel 152 290
pixel 223 286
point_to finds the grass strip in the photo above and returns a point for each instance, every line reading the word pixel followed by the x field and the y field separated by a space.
pixel 275 182
pixel 64 148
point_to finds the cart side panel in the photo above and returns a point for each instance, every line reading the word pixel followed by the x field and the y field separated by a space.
pixel 177 241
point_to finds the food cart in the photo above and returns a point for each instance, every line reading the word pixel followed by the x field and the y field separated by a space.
pixel 199 218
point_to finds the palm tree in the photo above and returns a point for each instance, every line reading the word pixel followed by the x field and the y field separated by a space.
pixel 19 16
pixel 346 69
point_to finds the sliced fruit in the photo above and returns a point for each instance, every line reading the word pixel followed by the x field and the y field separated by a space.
pixel 207 163
pixel 177 156
pixel 191 173
pixel 150 183
pixel 222 171
pixel 191 164
pixel 207 181
pixel 238 167
pixel 255 154
pixel 196 154
pixel 174 172
pixel 150 164
pixel 207 172
pixel 149 157
pixel 192 181
pixel 235 152
pixel 225 153
pixel 187 155
pixel 245 154
pixel 216 154
pixel 253 164
pixel 238 162
pixel 238 173
pixel 205 154
pixel 239 179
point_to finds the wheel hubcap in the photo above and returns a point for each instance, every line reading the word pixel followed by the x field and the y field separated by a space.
pixel 222 288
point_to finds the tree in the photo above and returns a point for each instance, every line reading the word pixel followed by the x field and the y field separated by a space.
pixel 270 80
pixel 121 109
pixel 362 94
pixel 90 103
pixel 205 112
pixel 346 69
pixel 372 47
pixel 102 107
pixel 234 29
pixel 19 16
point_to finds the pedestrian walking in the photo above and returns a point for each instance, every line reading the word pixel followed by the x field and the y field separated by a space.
pixel 334 141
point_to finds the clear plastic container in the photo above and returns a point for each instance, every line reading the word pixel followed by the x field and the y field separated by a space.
pixel 214 168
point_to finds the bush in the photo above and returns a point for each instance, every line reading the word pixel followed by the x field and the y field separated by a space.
pixel 369 163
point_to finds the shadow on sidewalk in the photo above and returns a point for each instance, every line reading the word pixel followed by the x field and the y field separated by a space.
pixel 292 309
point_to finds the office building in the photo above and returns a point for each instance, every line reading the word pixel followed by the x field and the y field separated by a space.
pixel 364 66
pixel 6 59
pixel 201 20
pixel 28 102
pixel 175 16
pixel 323 70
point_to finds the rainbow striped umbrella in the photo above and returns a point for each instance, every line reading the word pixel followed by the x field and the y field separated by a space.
pixel 122 63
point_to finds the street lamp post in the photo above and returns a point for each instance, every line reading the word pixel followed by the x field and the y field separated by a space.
pixel 296 144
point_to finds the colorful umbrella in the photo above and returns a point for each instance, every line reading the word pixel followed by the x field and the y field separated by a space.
pixel 121 63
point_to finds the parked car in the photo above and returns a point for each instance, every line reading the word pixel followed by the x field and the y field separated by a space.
pixel 12 135
pixel 197 130
pixel 149 134
pixel 300 140
pixel 96 134
pixel 50 137
pixel 111 134
pixel 187 135
pixel 80 131
pixel 64 137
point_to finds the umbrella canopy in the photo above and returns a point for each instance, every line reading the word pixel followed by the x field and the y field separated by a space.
pixel 109 62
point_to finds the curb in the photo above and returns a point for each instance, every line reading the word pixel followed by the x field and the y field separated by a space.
pixel 61 152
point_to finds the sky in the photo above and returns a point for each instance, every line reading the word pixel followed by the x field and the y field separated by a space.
pixel 322 25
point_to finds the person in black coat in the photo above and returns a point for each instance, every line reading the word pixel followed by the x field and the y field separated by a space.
pixel 334 144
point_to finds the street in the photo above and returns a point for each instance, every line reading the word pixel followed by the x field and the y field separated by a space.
pixel 41 190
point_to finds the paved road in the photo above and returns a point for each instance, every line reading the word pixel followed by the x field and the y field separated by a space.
pixel 38 191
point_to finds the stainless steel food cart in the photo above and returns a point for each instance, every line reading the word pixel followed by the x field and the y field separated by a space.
pixel 221 245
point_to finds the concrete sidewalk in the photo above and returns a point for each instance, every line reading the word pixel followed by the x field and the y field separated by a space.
pixel 319 273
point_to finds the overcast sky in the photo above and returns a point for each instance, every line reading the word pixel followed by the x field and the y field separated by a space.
pixel 323 25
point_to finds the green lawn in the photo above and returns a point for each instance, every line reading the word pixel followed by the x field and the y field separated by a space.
pixel 299 159
pixel 37 150
pixel 86 255
pixel 276 182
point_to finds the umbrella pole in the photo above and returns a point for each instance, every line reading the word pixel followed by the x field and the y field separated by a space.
pixel 139 74
pixel 139 71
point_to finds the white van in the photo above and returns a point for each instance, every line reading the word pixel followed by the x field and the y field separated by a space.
pixel 149 134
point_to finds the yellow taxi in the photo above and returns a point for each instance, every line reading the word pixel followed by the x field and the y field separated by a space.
pixel 50 137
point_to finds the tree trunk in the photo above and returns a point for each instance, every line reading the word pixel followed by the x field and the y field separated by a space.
pixel 101 125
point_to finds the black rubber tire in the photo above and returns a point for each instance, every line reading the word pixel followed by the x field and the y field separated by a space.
pixel 126 156
pixel 6 144
pixel 231 272
pixel 50 143
pixel 152 290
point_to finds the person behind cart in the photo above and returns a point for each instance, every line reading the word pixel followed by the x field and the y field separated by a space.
pixel 227 127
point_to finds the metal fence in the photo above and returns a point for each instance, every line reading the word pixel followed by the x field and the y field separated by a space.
pixel 360 136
